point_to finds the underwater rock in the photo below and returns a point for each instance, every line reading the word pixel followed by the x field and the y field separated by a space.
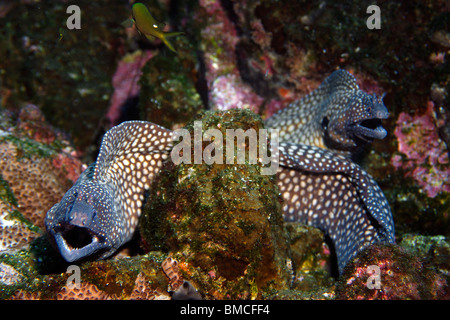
pixel 228 92
pixel 227 83
pixel 37 165
pixel 434 250
pixel 310 258
pixel 134 278
pixel 414 174
pixel 388 272
pixel 218 40
pixel 228 246
pixel 126 86
pixel 421 153
pixel 19 276
pixel 170 98
pixel 68 72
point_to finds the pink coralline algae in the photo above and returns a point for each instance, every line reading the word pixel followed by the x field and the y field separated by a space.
pixel 228 92
pixel 226 88
pixel 422 154
pixel 389 272
pixel 219 40
pixel 125 82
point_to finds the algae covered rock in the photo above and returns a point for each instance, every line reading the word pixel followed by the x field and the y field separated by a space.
pixel 38 164
pixel 170 98
pixel 135 278
pixel 389 272
pixel 310 257
pixel 223 222
pixel 67 72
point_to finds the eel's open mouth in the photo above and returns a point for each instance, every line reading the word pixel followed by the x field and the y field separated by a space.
pixel 369 129
pixel 76 242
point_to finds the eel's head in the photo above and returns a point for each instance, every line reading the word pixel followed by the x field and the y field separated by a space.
pixel 358 122
pixel 79 224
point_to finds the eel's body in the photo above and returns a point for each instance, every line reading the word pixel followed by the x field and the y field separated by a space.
pixel 334 194
pixel 320 188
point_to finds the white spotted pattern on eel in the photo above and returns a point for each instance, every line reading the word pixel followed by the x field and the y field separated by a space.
pixel 101 211
pixel 332 193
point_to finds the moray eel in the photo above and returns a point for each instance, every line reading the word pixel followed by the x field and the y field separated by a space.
pixel 100 212
pixel 319 187
pixel 337 116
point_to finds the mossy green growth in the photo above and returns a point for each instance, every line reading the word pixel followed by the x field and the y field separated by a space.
pixel 310 258
pixel 117 277
pixel 434 250
pixel 170 98
pixel 7 198
pixel 26 147
pixel 21 274
pixel 6 194
pixel 222 220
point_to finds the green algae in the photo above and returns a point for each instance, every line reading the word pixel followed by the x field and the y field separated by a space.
pixel 6 194
pixel 28 147
pixel 69 77
pixel 116 277
pixel 30 280
pixel 235 244
pixel 170 98
pixel 8 198
pixel 433 250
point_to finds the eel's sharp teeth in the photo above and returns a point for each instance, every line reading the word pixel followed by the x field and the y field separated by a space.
pixel 70 253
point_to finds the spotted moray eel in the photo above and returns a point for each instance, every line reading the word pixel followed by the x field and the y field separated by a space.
pixel 104 204
pixel 319 187
pixel 337 116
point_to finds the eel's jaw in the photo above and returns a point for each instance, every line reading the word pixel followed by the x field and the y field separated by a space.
pixel 369 129
pixel 71 252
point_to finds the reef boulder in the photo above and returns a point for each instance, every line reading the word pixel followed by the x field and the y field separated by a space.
pixel 222 222
pixel 389 272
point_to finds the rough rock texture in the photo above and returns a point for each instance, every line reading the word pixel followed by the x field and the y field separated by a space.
pixel 401 275
pixel 233 245
pixel 140 277
pixel 37 166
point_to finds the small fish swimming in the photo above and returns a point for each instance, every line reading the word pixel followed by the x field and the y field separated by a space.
pixel 337 116
pixel 148 26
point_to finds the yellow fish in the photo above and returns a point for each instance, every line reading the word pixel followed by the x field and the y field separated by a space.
pixel 148 26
